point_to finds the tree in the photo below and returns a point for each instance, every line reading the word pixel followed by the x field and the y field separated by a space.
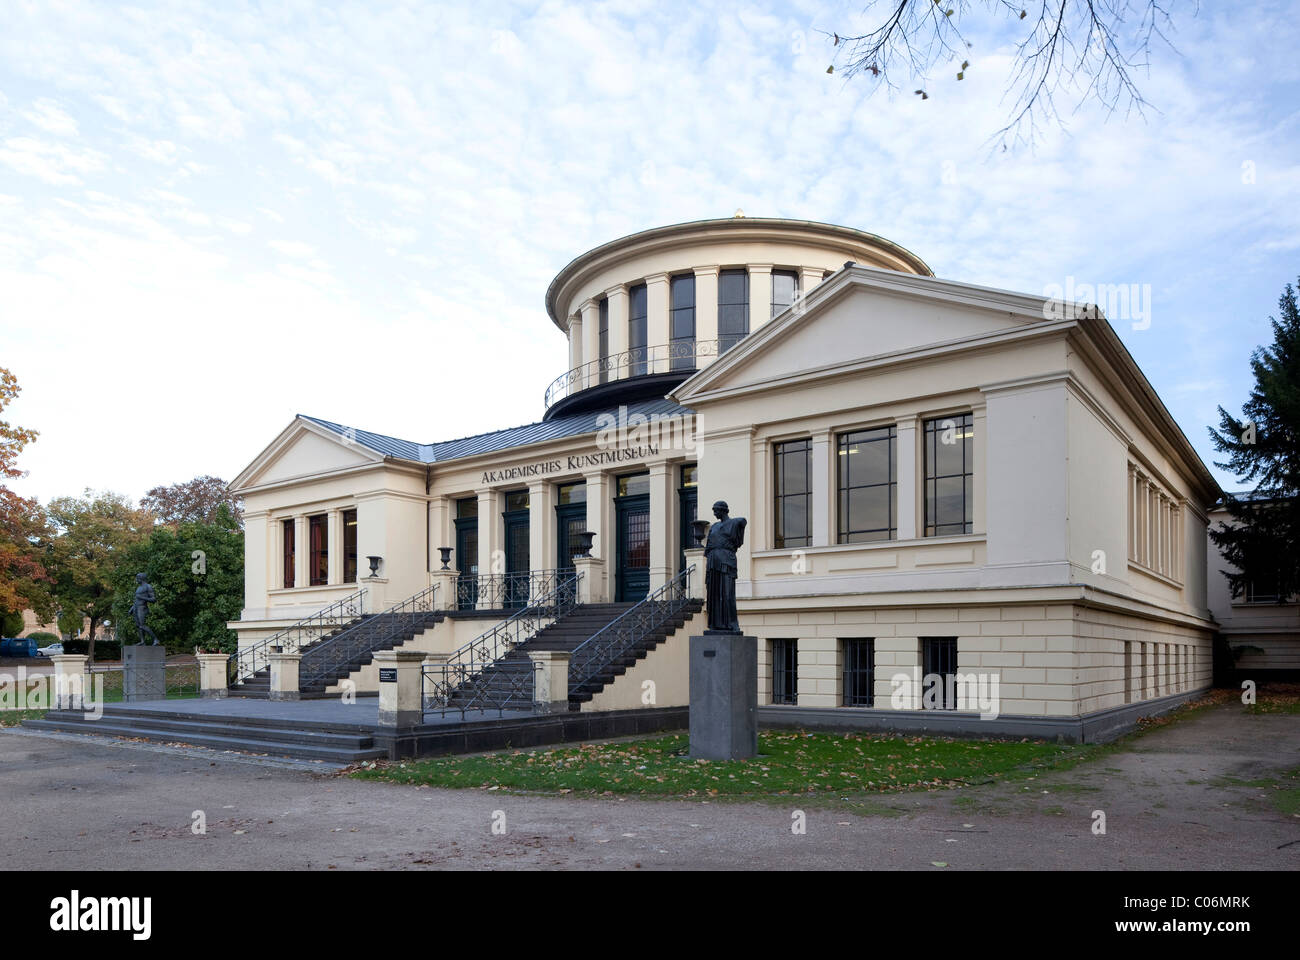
pixel 1089 49
pixel 194 502
pixel 197 572
pixel 24 581
pixel 93 534
pixel 1263 539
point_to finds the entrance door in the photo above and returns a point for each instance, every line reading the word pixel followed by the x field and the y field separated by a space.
pixel 570 520
pixel 515 523
pixel 467 562
pixel 632 515
pixel 687 501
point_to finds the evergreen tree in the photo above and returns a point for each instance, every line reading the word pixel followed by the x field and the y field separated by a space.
pixel 1263 448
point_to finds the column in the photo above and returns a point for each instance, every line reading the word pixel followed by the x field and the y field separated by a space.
pixel 617 297
pixel 440 531
pixel 301 552
pixel 662 554
pixel 260 570
pixel 491 555
pixel 908 478
pixel 657 331
pixel 334 541
pixel 706 314
pixel 821 487
pixel 590 342
pixel 760 295
pixel 575 342
pixel 809 277
pixel 541 526
pixel 599 522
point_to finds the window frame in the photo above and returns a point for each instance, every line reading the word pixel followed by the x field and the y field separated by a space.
pixel 779 495
pixel 931 431
pixel 844 532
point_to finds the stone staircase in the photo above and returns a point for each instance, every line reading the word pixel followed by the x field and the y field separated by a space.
pixel 301 740
pixel 501 682
pixel 335 656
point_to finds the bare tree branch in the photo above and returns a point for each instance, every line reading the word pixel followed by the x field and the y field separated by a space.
pixel 1077 49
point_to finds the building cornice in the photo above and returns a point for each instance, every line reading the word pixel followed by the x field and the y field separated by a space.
pixel 854 244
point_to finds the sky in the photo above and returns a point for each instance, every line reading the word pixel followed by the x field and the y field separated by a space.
pixel 216 216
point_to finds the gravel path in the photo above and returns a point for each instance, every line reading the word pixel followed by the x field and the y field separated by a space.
pixel 83 803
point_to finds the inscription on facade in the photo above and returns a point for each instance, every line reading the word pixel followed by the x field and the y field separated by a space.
pixel 577 461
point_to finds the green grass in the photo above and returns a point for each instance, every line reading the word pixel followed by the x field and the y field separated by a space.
pixel 790 763
pixel 11 718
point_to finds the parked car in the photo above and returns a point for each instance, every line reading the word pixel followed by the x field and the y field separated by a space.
pixel 51 650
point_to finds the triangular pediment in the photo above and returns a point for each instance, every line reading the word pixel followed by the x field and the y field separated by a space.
pixel 304 449
pixel 861 315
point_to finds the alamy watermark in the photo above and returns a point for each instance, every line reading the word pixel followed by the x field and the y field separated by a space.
pixel 1115 301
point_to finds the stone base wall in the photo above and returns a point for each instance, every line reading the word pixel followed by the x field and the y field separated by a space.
pixel 1052 660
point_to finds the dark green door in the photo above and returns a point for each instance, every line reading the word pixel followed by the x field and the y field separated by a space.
pixel 467 563
pixel 688 515
pixel 516 536
pixel 633 520
pixel 570 520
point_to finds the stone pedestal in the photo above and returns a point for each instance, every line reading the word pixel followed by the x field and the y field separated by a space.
pixel 550 680
pixel 401 675
pixel 70 681
pixel 445 581
pixel 213 673
pixel 284 675
pixel 591 583
pixel 695 586
pixel 724 696
pixel 144 672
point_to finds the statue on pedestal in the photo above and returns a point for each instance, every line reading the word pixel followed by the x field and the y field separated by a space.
pixel 144 596
pixel 724 539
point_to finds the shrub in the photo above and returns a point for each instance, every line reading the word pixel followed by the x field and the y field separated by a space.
pixel 43 639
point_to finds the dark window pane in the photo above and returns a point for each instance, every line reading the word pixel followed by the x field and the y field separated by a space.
pixel 573 493
pixel 858 657
pixel 290 558
pixel 785 671
pixel 634 485
pixel 785 288
pixel 349 546
pixel 467 507
pixel 636 329
pixel 949 475
pixel 318 536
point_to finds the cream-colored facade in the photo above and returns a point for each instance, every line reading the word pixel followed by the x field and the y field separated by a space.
pixel 695 352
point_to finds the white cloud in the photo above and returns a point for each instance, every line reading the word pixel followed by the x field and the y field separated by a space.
pixel 51 118
pixel 53 163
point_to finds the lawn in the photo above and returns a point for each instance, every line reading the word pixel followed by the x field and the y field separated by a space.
pixel 790 762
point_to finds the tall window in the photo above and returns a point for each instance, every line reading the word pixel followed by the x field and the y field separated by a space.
pixel 949 475
pixel 793 493
pixel 868 484
pixel 785 671
pixel 604 339
pixel 637 311
pixel 319 558
pixel 939 673
pixel 290 554
pixel 682 295
pixel 1155 530
pixel 858 657
pixel 733 308
pixel 785 289
pixel 349 546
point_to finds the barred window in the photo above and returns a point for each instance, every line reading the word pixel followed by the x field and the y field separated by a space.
pixel 785 671
pixel 858 656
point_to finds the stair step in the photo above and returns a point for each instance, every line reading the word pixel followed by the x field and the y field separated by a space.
pixel 243 743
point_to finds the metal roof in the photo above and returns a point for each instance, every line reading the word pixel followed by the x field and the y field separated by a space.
pixel 530 433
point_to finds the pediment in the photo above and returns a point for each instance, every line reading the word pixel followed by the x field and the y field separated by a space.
pixel 304 450
pixel 860 316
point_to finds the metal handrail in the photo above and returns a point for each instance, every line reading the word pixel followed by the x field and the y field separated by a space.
pixel 624 632
pixel 498 591
pixel 466 665
pixel 248 661
pixel 325 659
pixel 509 685
pixel 636 362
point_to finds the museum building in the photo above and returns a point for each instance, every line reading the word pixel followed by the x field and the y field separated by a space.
pixel 940 480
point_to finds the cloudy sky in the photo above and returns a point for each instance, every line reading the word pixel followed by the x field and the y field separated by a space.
pixel 215 216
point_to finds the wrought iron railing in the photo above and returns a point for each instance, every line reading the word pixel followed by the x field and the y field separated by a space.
pixel 622 635
pixel 327 659
pixel 679 356
pixel 248 661
pixel 507 685
pixel 461 674
pixel 505 591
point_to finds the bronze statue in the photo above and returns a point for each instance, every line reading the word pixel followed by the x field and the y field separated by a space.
pixel 144 596
pixel 725 538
